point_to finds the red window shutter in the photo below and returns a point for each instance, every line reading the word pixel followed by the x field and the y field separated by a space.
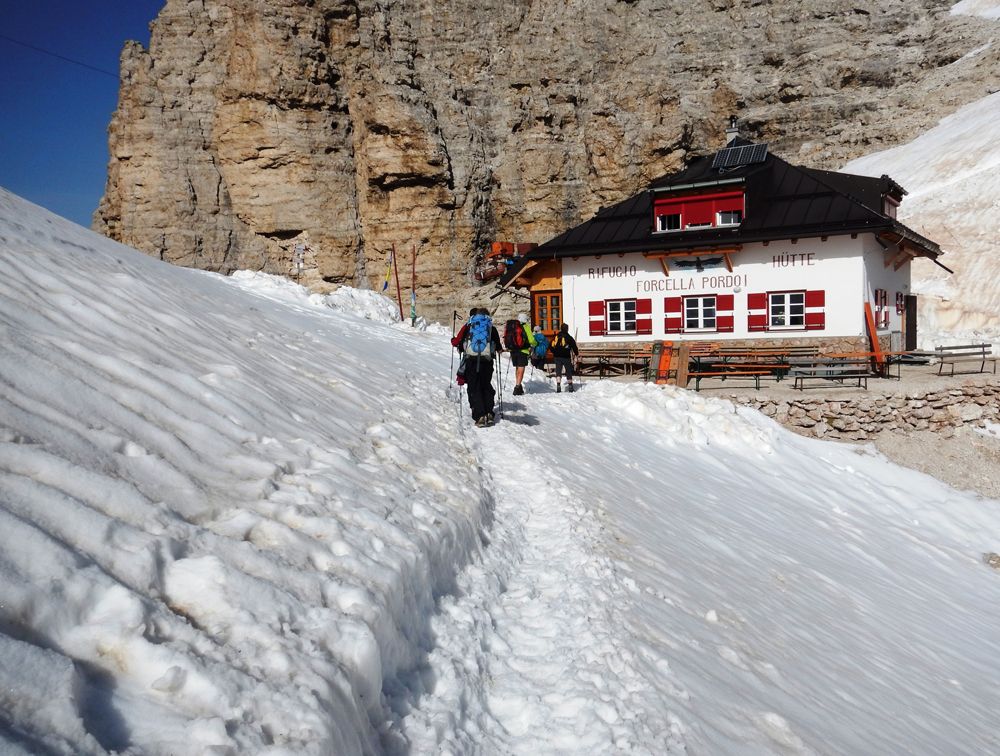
pixel 673 321
pixel 815 321
pixel 724 305
pixel 729 204
pixel 643 317
pixel 596 311
pixel 815 312
pixel 816 298
pixel 668 207
pixel 757 311
pixel 698 211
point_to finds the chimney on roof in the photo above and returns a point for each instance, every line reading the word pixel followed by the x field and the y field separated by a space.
pixel 732 131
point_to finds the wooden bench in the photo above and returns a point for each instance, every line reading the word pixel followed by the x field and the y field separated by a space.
pixel 838 370
pixel 614 359
pixel 965 353
pixel 881 362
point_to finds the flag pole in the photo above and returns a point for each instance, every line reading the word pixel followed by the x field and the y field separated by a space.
pixel 413 289
pixel 399 293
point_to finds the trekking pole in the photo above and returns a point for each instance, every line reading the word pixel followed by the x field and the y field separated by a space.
pixel 451 370
pixel 500 391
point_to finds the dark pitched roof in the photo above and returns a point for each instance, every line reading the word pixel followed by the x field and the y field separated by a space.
pixel 782 201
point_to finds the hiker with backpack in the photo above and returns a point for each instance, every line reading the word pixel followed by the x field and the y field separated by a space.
pixel 456 341
pixel 564 351
pixel 519 341
pixel 479 343
pixel 540 350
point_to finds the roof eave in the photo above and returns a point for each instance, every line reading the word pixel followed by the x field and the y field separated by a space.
pixel 696 185
pixel 679 241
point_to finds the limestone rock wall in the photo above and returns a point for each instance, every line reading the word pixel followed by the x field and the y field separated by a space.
pixel 350 126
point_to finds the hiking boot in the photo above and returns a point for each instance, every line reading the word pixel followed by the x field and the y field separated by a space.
pixel 489 418
pixel 482 422
pixel 569 388
pixel 518 390
pixel 558 388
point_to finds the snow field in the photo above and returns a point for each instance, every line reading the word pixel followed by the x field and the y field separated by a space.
pixel 816 598
pixel 953 174
pixel 239 518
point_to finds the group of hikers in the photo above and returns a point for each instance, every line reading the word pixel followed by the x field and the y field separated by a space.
pixel 478 342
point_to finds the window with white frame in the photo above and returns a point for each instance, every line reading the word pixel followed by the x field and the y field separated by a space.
pixel 669 222
pixel 621 315
pixel 699 313
pixel 729 218
pixel 786 309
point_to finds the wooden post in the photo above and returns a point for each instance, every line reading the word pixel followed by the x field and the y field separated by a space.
pixel 683 357
pixel 873 339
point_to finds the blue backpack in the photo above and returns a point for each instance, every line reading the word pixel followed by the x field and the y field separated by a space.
pixel 541 346
pixel 479 341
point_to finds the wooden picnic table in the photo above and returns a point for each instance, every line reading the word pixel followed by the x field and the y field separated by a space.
pixel 804 351
pixel 733 364
pixel 614 359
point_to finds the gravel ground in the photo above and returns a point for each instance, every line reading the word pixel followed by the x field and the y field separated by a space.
pixel 969 460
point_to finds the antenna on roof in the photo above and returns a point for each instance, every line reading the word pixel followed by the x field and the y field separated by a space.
pixel 732 131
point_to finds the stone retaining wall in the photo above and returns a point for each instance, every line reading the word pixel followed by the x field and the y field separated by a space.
pixel 859 418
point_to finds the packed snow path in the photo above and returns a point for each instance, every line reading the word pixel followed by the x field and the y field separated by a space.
pixel 540 622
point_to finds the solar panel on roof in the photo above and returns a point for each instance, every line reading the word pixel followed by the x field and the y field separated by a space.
pixel 732 157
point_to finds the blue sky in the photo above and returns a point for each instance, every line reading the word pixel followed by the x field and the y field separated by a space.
pixel 54 115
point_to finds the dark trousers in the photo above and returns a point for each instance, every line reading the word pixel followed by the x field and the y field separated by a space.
pixel 564 363
pixel 479 385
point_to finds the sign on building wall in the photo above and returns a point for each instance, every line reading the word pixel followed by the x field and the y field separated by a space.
pixel 806 289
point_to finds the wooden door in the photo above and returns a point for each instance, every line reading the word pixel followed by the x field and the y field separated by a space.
pixel 910 323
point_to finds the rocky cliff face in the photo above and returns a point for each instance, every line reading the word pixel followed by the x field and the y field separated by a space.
pixel 251 126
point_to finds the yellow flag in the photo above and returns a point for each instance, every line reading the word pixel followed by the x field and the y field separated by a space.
pixel 388 272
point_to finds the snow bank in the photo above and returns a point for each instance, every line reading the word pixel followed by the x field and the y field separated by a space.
pixel 982 8
pixel 225 518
